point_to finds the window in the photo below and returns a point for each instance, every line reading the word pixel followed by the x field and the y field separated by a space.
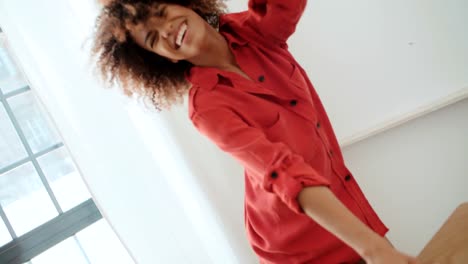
pixel 47 214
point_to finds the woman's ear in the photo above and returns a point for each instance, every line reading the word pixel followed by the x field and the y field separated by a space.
pixel 105 2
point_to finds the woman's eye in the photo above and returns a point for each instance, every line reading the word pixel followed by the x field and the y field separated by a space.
pixel 161 12
pixel 155 39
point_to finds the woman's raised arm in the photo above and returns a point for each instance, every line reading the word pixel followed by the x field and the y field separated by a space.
pixel 276 19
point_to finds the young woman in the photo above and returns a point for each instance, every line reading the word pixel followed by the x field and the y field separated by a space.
pixel 253 100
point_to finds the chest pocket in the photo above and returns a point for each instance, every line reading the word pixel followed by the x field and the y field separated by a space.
pixel 268 120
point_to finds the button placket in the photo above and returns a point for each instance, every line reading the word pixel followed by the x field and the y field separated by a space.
pixel 274 175
pixel 324 139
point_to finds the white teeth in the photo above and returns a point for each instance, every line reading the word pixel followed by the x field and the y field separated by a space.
pixel 182 30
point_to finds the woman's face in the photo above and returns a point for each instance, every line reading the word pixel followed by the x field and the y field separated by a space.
pixel 172 31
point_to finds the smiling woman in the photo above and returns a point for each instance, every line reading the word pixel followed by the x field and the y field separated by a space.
pixel 251 98
pixel 146 46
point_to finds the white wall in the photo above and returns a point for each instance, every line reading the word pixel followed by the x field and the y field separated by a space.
pixel 416 174
pixel 382 60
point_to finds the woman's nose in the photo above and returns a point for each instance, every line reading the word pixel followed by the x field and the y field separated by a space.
pixel 167 29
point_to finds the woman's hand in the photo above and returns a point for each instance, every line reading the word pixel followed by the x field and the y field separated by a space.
pixel 320 204
pixel 387 254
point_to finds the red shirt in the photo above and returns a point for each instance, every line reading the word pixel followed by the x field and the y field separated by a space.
pixel 277 128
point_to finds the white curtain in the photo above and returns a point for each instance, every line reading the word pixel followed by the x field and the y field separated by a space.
pixel 170 195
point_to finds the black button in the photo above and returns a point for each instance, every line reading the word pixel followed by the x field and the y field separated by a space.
pixel 348 177
pixel 274 175
pixel 261 78
pixel 235 45
pixel 293 102
pixel 318 124
pixel 331 152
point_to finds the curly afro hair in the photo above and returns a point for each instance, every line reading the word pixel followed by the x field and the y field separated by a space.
pixel 138 71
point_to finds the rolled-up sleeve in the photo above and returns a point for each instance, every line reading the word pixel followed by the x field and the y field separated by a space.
pixel 276 19
pixel 271 165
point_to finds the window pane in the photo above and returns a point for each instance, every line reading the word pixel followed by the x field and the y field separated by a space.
pixel 10 76
pixel 24 199
pixel 11 149
pixel 4 234
pixel 64 179
pixel 67 251
pixel 102 245
pixel 35 124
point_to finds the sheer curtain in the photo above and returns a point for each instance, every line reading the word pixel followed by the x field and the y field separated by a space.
pixel 144 169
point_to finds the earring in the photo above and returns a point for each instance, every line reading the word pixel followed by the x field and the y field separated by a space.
pixel 213 20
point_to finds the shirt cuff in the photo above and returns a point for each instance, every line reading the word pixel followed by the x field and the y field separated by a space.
pixel 289 177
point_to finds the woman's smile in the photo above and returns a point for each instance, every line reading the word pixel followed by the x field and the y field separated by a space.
pixel 181 34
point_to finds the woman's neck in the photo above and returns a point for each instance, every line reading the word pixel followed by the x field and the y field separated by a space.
pixel 215 53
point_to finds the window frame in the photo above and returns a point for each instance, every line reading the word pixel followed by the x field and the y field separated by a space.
pixel 31 244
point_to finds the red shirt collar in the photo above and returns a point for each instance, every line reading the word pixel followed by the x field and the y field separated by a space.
pixel 207 77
